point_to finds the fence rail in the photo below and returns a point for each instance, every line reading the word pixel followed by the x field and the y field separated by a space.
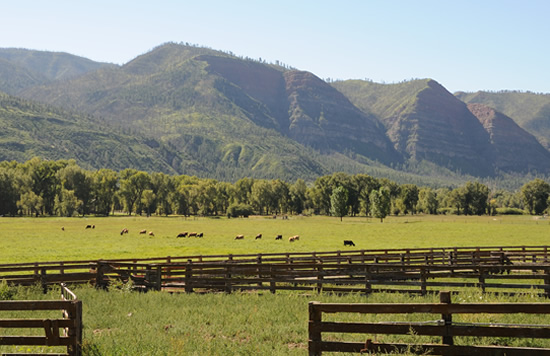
pixel 443 327
pixel 506 269
pixel 70 323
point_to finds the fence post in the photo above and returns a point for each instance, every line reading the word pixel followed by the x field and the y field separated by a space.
pixel 482 278
pixel 76 331
pixel 319 276
pixel 547 282
pixel 43 281
pixel 188 276
pixel 368 285
pixel 423 280
pixel 100 275
pixel 159 278
pixel 228 287
pixel 314 330
pixel 272 283
pixel 259 267
pixel 447 339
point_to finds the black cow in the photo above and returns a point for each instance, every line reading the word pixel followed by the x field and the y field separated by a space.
pixel 348 243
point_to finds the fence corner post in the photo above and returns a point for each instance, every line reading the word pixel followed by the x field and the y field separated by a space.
pixel 314 329
pixel 447 339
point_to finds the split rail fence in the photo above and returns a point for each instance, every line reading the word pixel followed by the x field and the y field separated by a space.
pixel 69 322
pixel 444 327
pixel 493 269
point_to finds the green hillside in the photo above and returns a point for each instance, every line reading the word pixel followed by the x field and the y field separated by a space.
pixel 529 110
pixel 50 65
pixel 185 99
pixel 196 111
pixel 31 129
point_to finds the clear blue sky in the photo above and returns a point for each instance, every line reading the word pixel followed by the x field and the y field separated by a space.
pixel 465 45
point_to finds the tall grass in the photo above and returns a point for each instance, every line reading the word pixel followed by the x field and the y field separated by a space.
pixel 120 322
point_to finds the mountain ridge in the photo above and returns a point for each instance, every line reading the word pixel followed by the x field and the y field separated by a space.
pixel 208 112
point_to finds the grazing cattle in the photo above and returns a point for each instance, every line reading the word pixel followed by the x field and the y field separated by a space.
pixel 259 236
pixel 239 237
pixel 151 233
pixel 62 228
pixel 200 234
pixel 192 234
pixel 182 234
pixel 348 243
pixel 124 231
pixel 279 237
pixel 143 231
pixel 294 238
pixel 88 226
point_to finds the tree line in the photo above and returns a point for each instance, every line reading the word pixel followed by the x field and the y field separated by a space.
pixel 62 188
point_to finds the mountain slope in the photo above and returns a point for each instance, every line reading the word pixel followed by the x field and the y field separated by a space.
pixel 426 122
pixel 514 148
pixel 23 68
pixel 222 113
pixel 529 110
pixel 31 129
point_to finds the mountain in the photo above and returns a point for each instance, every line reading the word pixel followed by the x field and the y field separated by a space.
pixel 514 148
pixel 222 113
pixel 426 123
pixel 23 68
pixel 30 129
pixel 529 110
pixel 197 111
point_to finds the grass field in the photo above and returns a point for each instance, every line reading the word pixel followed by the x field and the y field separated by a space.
pixel 41 239
pixel 120 322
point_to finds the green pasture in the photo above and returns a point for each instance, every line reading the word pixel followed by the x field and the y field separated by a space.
pixel 119 322
pixel 42 239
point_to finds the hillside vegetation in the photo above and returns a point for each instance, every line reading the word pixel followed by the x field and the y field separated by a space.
pixel 197 111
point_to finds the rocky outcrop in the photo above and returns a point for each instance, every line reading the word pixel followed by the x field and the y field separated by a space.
pixel 323 118
pixel 514 149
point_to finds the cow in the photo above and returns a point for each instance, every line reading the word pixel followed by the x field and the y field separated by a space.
pixel 279 237
pixel 348 243
pixel 200 234
pixel 151 233
pixel 192 234
pixel 124 231
pixel 142 231
pixel 62 228
pixel 294 238
pixel 259 236
pixel 90 226
pixel 182 234
pixel 239 237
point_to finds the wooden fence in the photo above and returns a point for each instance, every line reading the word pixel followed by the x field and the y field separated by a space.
pixel 443 327
pixel 328 277
pixel 366 271
pixel 70 323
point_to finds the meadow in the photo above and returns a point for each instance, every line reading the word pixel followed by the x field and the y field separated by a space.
pixel 42 239
pixel 122 322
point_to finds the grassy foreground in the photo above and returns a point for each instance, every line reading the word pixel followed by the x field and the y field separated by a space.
pixel 41 239
pixel 120 322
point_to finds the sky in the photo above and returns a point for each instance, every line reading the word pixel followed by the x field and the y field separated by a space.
pixel 466 45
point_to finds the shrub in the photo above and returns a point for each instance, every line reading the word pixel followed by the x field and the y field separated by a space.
pixel 510 211
pixel 236 210
pixel 6 292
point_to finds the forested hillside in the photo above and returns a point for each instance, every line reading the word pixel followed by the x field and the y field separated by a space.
pixel 197 111
pixel 30 129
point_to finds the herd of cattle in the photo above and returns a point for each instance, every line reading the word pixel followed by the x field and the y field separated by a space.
pixel 200 234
